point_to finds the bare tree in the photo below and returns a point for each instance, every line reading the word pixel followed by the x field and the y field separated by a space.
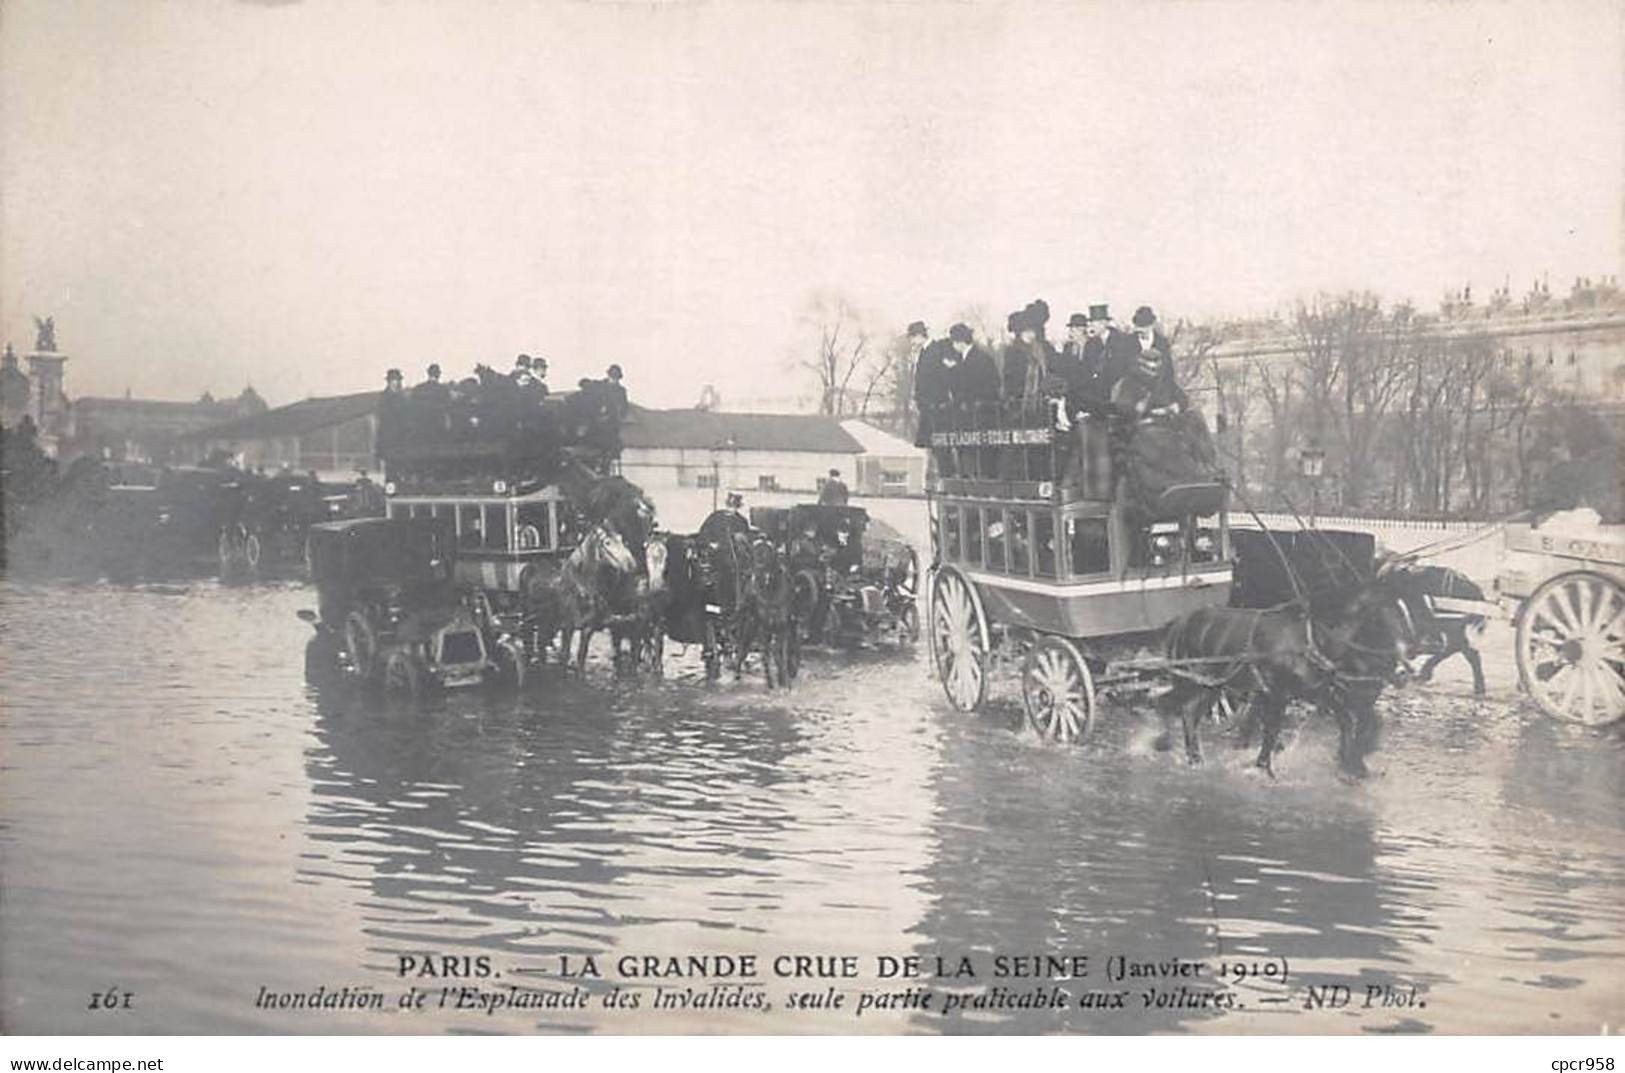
pixel 840 348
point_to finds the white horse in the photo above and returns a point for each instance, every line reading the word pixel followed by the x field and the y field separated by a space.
pixel 576 600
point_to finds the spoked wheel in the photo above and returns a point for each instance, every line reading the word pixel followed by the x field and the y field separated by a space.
pixel 362 644
pixel 959 644
pixel 252 551
pixel 1571 648
pixel 403 677
pixel 1058 691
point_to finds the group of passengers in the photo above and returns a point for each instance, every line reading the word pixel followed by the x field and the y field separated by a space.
pixel 490 403
pixel 1099 370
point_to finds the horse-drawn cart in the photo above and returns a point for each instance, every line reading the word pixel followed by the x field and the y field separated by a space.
pixel 1570 621
pixel 855 577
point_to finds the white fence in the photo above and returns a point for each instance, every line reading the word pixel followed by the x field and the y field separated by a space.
pixel 1479 559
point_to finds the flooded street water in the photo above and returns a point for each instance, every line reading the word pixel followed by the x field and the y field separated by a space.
pixel 186 821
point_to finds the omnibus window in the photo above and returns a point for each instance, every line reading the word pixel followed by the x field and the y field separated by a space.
pixel 994 519
pixel 973 534
pixel 1020 548
pixel 1091 549
pixel 470 527
pixel 496 526
pixel 1044 543
pixel 950 533
pixel 531 531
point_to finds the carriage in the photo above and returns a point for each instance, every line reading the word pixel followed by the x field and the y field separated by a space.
pixel 855 576
pixel 1570 619
pixel 509 477
pixel 151 521
pixel 1040 559
pixel 266 534
pixel 391 612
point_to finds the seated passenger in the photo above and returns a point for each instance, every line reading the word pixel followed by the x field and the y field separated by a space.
pixel 1165 443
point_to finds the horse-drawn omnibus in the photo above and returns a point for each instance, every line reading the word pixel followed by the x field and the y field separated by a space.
pixel 516 482
pixel 1039 558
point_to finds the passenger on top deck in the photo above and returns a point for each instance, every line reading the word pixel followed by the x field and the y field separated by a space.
pixel 934 365
pixel 1165 443
pixel 391 407
pixel 616 393
pixel 538 373
pixel 1106 352
pixel 521 377
pixel 1027 361
pixel 976 379
pixel 1153 357
pixel 1068 364
pixel 432 391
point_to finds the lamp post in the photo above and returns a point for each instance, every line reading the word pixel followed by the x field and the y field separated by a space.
pixel 716 469
pixel 716 465
pixel 1312 463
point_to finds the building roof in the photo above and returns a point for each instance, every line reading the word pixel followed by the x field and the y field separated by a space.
pixel 294 419
pixel 120 404
pixel 877 441
pixel 707 429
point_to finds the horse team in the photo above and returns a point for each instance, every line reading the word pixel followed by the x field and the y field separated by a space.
pixel 726 588
pixel 1338 653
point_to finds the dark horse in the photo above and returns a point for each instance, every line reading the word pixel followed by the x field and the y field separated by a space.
pixel 1440 633
pixel 766 612
pixel 1338 659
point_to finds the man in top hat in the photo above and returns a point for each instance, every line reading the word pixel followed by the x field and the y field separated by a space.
pixel 1107 354
pixel 834 493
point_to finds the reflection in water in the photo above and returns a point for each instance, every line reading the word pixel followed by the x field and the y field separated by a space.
pixel 183 818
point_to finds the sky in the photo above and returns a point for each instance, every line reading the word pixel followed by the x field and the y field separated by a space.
pixel 298 195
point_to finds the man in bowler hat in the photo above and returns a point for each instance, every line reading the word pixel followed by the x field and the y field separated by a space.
pixel 976 379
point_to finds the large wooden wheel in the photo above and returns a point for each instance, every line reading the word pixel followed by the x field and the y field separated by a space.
pixel 1058 691
pixel 959 640
pixel 1571 648
pixel 253 551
